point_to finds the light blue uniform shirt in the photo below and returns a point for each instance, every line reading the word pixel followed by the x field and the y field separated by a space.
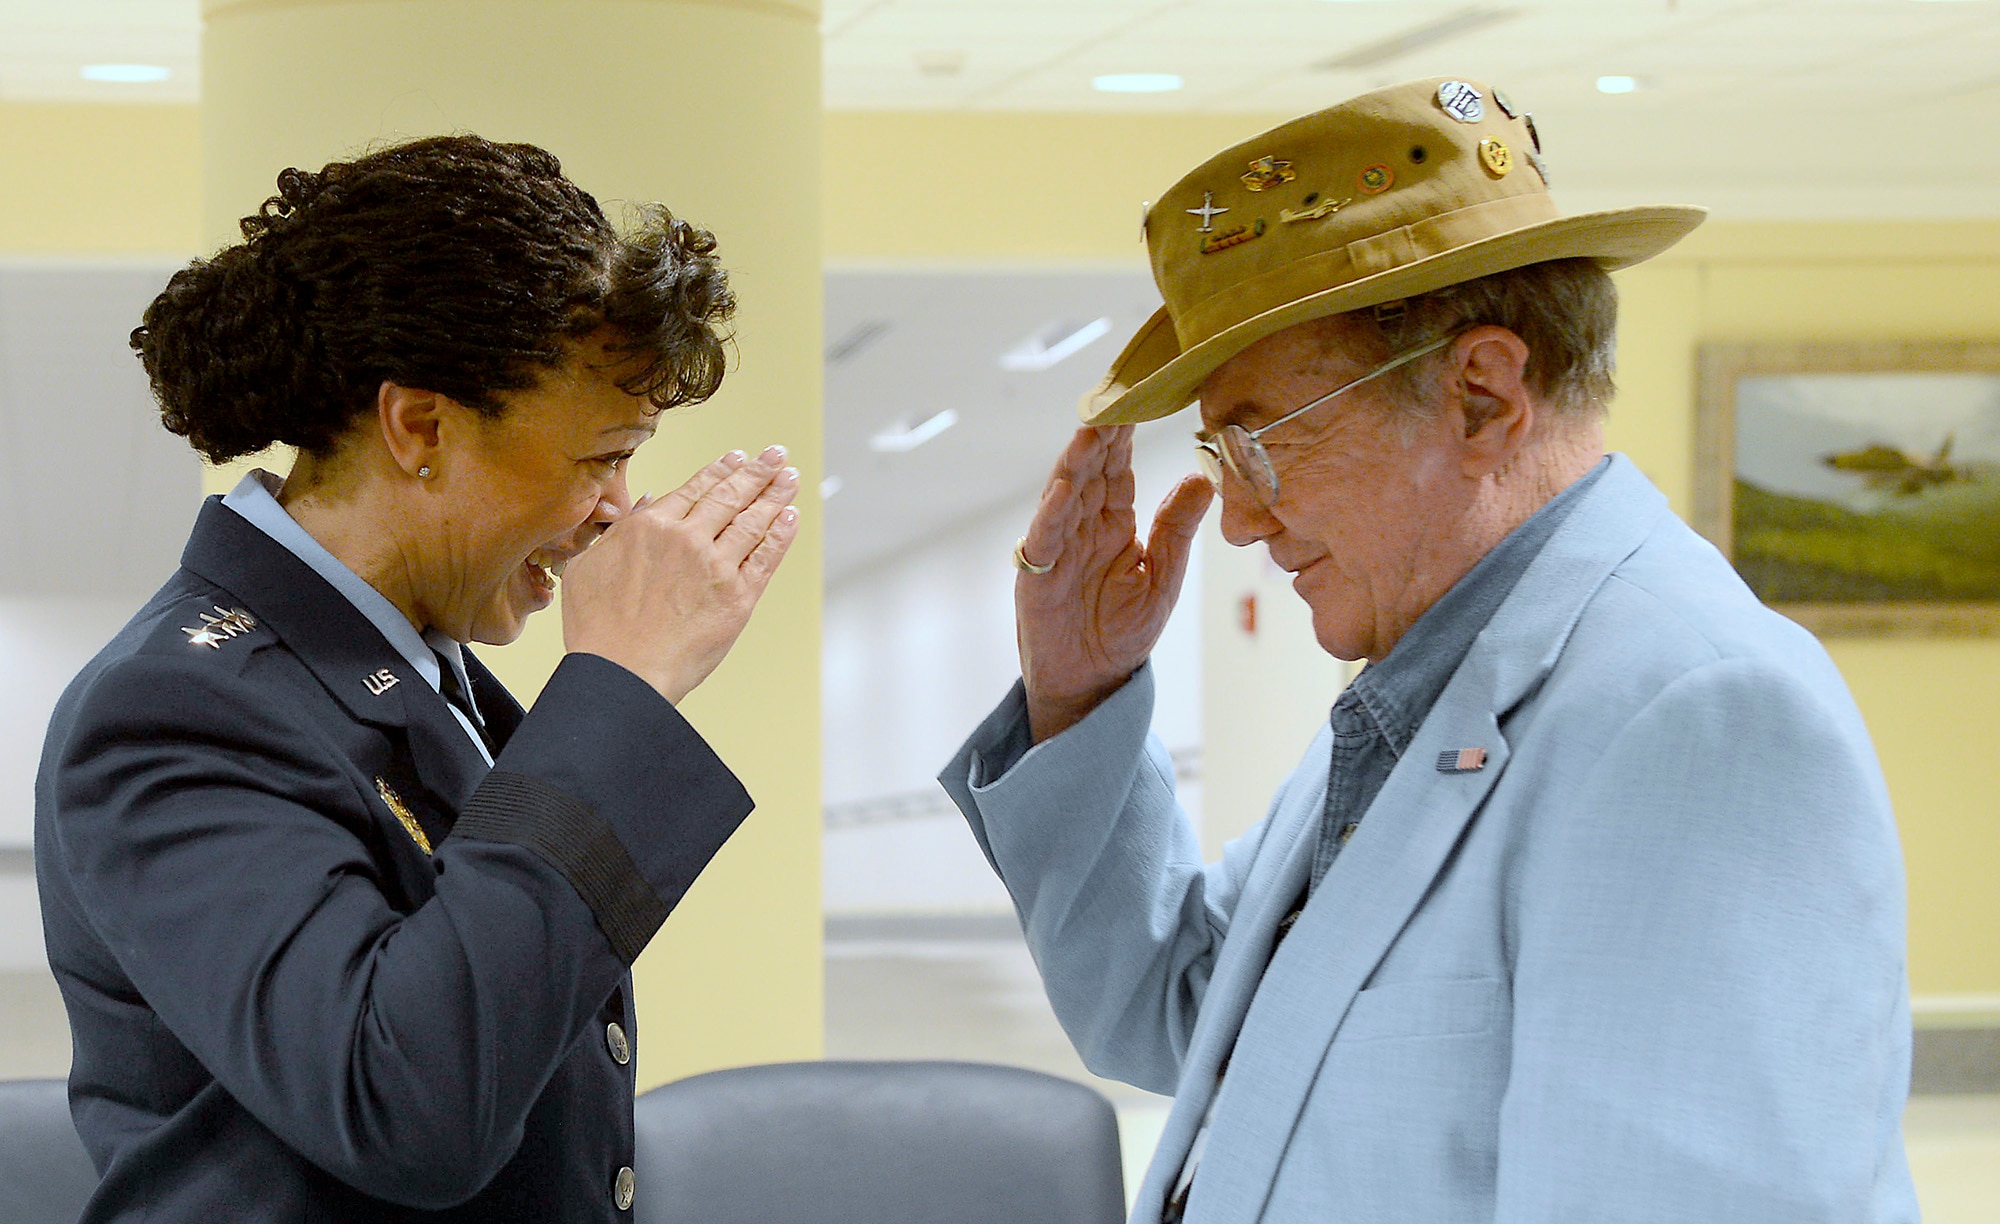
pixel 254 499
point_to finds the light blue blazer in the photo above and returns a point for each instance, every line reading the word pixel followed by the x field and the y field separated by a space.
pixel 1646 965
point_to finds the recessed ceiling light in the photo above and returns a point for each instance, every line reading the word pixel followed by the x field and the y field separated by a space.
pixel 1050 345
pixel 900 438
pixel 1617 84
pixel 126 74
pixel 1136 82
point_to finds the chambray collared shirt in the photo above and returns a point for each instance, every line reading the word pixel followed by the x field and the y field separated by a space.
pixel 1379 713
pixel 254 498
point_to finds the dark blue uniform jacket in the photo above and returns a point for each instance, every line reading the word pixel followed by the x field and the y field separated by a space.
pixel 283 1006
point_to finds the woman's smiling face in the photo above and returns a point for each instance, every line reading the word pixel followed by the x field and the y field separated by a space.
pixel 523 493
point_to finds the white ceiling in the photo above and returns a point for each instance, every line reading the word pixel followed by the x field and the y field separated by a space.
pixel 1263 55
pixel 1749 58
pixel 1757 108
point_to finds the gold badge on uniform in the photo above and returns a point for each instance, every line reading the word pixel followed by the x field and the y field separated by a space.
pixel 402 811
pixel 1376 179
pixel 1496 157
pixel 1267 172
pixel 215 630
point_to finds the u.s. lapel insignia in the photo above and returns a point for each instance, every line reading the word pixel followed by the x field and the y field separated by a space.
pixel 1462 760
pixel 402 812
pixel 215 630
pixel 1267 172
pixel 1313 209
pixel 380 682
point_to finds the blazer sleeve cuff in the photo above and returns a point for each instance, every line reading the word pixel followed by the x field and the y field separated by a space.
pixel 1000 766
pixel 609 785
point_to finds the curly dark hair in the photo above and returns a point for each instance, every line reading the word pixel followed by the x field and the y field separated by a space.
pixel 450 263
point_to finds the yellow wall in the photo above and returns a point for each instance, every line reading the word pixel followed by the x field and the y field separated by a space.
pixel 1933 705
pixel 101 180
pixel 1027 189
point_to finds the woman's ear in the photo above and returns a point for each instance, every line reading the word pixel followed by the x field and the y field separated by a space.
pixel 1498 411
pixel 409 419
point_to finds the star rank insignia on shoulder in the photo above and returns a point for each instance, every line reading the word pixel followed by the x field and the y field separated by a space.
pixel 214 630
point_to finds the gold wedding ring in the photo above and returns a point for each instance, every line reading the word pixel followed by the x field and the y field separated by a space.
pixel 1026 566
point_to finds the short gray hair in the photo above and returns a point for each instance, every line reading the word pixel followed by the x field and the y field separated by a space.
pixel 1565 310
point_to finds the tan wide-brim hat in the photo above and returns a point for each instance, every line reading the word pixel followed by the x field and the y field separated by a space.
pixel 1393 194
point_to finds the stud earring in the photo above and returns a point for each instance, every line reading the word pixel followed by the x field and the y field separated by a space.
pixel 424 473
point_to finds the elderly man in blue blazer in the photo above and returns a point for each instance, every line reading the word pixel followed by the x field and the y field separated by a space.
pixel 1587 903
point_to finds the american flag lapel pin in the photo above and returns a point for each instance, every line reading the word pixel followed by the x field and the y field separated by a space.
pixel 1462 760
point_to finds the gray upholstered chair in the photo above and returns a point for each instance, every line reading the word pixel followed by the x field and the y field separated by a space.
pixel 877 1143
pixel 45 1175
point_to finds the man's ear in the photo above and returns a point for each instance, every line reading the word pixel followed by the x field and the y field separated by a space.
pixel 409 419
pixel 1498 411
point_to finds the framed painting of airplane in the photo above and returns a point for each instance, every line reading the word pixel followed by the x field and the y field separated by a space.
pixel 1856 487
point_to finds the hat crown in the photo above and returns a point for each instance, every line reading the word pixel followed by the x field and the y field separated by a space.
pixel 1266 213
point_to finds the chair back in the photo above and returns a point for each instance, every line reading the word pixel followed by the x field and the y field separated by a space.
pixel 877 1143
pixel 45 1175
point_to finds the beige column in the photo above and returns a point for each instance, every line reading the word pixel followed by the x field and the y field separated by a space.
pixel 712 107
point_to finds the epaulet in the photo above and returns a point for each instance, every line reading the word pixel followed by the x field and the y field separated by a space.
pixel 206 628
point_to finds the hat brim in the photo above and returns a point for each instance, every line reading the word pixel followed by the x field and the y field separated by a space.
pixel 1153 378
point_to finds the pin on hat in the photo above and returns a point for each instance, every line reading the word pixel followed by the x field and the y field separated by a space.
pixel 1422 206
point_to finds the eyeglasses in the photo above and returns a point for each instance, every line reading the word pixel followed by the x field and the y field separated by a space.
pixel 1239 450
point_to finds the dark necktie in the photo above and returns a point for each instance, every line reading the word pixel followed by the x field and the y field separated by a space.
pixel 454 692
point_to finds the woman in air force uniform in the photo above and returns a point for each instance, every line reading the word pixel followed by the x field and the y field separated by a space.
pixel 343 933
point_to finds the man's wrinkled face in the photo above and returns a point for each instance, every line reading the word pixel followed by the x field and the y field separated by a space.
pixel 1367 498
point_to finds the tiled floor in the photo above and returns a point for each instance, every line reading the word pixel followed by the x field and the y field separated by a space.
pixel 969 991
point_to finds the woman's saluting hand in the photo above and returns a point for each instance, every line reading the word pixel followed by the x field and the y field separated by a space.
pixel 667 589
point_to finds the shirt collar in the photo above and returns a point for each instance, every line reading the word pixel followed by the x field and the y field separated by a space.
pixel 1398 692
pixel 254 498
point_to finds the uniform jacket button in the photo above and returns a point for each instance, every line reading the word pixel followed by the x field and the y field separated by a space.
pixel 621 1190
pixel 615 1041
